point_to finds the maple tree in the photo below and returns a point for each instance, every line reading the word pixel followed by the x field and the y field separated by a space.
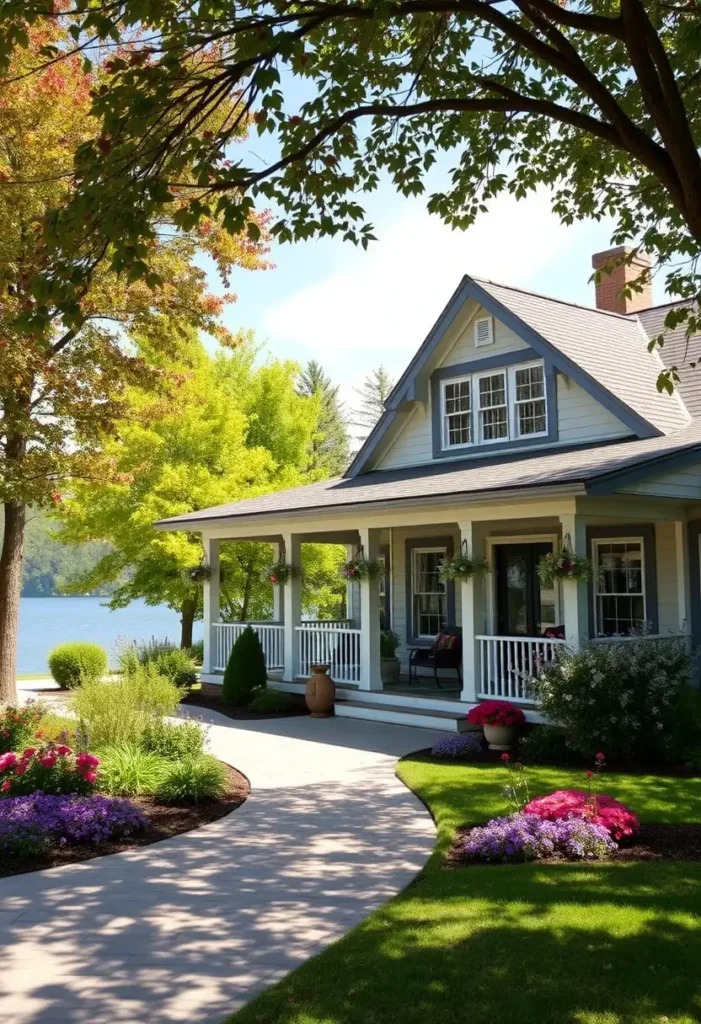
pixel 65 372
pixel 597 100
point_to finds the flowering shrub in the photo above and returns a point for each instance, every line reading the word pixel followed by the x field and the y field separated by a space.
pixel 631 698
pixel 516 792
pixel 467 744
pixel 495 712
pixel 49 769
pixel 29 825
pixel 18 724
pixel 526 837
pixel 568 804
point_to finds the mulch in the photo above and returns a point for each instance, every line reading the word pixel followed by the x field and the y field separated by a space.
pixel 206 703
pixel 164 822
pixel 652 843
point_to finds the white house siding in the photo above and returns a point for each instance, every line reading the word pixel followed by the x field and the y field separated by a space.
pixel 413 445
pixel 667 598
pixel 684 483
pixel 399 578
pixel 582 418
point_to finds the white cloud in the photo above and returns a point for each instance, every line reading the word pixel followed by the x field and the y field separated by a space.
pixel 376 306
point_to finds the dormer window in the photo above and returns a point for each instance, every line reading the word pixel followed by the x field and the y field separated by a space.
pixel 498 405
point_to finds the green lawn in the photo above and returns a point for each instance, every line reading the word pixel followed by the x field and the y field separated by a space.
pixel 524 944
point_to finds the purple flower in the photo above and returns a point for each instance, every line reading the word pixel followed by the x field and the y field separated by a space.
pixel 32 824
pixel 523 837
pixel 457 745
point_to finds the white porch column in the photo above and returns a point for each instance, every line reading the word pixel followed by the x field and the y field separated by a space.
pixel 292 601
pixel 575 593
pixel 210 600
pixel 473 607
pixel 352 611
pixel 277 591
pixel 681 545
pixel 370 678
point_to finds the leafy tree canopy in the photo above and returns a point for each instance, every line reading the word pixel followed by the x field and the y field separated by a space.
pixel 331 446
pixel 599 100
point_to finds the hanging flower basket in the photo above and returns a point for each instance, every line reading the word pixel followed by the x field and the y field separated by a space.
pixel 564 565
pixel 361 568
pixel 198 574
pixel 280 573
pixel 462 566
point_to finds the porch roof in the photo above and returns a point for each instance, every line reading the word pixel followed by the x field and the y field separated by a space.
pixel 598 469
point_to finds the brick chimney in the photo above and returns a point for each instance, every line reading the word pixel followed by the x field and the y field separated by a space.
pixel 610 287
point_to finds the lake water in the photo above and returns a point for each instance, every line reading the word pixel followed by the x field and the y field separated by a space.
pixel 45 622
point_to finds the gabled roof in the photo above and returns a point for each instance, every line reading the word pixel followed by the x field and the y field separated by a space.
pixel 605 353
pixel 679 351
pixel 597 469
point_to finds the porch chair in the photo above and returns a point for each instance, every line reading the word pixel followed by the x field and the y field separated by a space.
pixel 444 652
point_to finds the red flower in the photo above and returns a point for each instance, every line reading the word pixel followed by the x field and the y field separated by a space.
pixel 62 750
pixel 6 785
pixel 48 760
pixel 590 775
pixel 505 757
pixel 90 776
pixel 29 752
pixel 496 712
pixel 600 756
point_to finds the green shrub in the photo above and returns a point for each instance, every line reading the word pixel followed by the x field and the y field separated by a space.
pixel 173 741
pixel 171 661
pixel 196 652
pixel 630 699
pixel 119 711
pixel 57 729
pixel 272 702
pixel 245 672
pixel 193 780
pixel 546 744
pixel 127 770
pixel 18 725
pixel 389 643
pixel 178 666
pixel 73 664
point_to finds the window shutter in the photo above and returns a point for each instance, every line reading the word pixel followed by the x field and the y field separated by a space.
pixel 484 334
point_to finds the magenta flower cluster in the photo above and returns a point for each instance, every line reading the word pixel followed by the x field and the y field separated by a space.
pixel 457 745
pixel 32 824
pixel 525 837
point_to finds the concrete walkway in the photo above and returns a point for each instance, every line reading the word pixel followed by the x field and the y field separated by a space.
pixel 191 928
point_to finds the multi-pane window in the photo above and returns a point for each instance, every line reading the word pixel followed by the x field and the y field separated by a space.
pixel 493 409
pixel 496 406
pixel 529 400
pixel 619 586
pixel 428 592
pixel 457 403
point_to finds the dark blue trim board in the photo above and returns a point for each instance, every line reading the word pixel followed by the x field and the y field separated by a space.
pixel 409 545
pixel 694 538
pixel 647 532
pixel 470 289
pixel 497 362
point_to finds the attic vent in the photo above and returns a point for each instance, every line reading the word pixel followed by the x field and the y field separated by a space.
pixel 484 335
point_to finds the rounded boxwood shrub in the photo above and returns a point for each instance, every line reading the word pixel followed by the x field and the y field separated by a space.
pixel 245 671
pixel 272 702
pixel 76 663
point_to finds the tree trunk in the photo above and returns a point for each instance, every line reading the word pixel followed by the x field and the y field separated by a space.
pixel 187 619
pixel 247 591
pixel 10 591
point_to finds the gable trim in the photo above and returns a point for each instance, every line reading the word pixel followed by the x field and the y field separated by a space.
pixel 470 289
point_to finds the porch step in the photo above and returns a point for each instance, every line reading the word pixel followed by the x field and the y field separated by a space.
pixel 403 714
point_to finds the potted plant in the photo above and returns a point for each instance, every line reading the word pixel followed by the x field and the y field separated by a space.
pixel 462 566
pixel 564 565
pixel 280 573
pixel 500 720
pixel 361 568
pixel 389 662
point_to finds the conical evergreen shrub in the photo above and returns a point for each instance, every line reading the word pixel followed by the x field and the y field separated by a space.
pixel 245 672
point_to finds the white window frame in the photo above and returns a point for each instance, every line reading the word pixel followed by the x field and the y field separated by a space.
pixel 596 544
pixel 513 433
pixel 425 550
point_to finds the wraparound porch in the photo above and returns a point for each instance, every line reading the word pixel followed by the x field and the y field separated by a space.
pixel 647 547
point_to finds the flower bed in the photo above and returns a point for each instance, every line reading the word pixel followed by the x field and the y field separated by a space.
pixel 525 837
pixel 30 825
pixel 601 809
pixel 48 769
pixel 456 745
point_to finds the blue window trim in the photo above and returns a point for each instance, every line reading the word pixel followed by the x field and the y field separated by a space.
pixel 409 545
pixel 385 553
pixel 495 362
pixel 647 532
pixel 694 533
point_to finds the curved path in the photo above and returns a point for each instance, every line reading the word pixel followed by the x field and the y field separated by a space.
pixel 191 928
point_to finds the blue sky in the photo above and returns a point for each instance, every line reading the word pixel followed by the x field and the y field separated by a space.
pixel 353 310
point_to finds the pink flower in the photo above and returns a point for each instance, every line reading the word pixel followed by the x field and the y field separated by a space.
pixel 90 776
pixel 29 752
pixel 48 760
pixel 600 756
pixel 505 757
pixel 7 761
pixel 21 768
pixel 573 803
pixel 590 775
pixel 87 761
pixel 62 750
pixel 6 785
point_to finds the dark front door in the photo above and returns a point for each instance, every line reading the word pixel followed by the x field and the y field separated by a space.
pixel 524 607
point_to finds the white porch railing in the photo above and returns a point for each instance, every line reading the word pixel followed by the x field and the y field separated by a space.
pixel 508 662
pixel 271 635
pixel 329 623
pixel 324 644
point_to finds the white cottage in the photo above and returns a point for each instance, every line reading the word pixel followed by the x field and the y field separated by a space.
pixel 521 423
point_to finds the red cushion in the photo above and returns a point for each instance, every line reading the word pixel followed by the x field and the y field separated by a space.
pixel 446 641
